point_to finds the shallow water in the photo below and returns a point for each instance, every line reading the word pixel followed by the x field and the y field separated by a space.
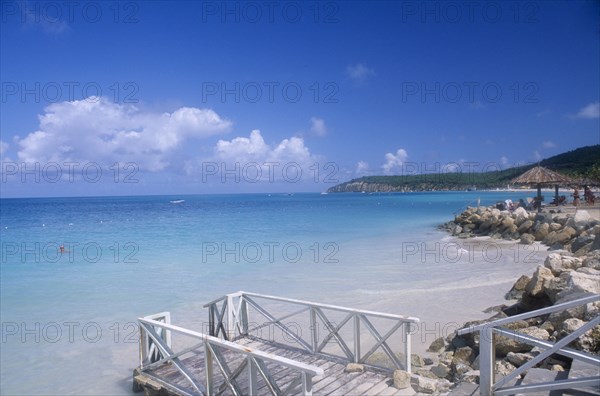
pixel 69 320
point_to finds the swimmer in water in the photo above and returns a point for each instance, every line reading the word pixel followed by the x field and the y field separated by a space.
pixel 62 248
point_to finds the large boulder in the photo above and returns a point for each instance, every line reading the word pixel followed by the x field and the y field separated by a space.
pixel 577 312
pixel 541 232
pixel 582 280
pixel 559 237
pixel 504 345
pixel 518 288
pixel 580 219
pixel 592 260
pixel 527 239
pixel 554 263
pixel 525 226
pixel 541 277
pixel 424 385
pixel 401 379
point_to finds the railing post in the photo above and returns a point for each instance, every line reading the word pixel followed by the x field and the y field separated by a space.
pixel 211 320
pixel 306 384
pixel 230 318
pixel 143 346
pixel 356 338
pixel 244 315
pixel 314 335
pixel 166 335
pixel 208 362
pixel 407 346
pixel 252 379
pixel 486 360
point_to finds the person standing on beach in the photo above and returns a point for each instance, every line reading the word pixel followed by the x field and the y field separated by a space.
pixel 575 197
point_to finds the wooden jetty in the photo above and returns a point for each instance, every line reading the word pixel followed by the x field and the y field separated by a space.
pixel 255 346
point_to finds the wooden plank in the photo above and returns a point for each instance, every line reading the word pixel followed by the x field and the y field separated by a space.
pixel 380 386
pixel 350 382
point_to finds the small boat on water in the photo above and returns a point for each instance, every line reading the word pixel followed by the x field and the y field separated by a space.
pixel 178 201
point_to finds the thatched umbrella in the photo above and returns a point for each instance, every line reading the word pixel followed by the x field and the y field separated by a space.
pixel 542 176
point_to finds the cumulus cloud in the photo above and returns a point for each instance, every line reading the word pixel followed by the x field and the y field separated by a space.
pixel 254 148
pixel 359 72
pixel 536 155
pixel 590 111
pixel 504 160
pixel 97 130
pixel 3 147
pixel 394 161
pixel 251 158
pixel 548 144
pixel 318 126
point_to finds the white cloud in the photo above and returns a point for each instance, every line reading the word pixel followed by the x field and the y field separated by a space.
pixel 97 130
pixel 362 168
pixel 536 155
pixel 548 144
pixel 359 72
pixel 504 160
pixel 318 126
pixel 251 158
pixel 394 161
pixel 592 110
pixel 3 147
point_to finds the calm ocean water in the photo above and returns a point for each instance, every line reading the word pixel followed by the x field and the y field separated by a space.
pixel 68 319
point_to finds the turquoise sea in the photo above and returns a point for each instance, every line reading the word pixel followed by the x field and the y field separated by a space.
pixel 69 319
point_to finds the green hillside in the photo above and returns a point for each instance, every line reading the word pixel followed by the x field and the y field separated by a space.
pixel 582 162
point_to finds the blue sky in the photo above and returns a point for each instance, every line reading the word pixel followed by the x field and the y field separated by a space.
pixel 120 98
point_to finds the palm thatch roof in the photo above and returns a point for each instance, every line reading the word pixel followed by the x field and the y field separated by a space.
pixel 541 175
pixel 586 182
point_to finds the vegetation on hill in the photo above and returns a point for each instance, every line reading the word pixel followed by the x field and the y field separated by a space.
pixel 583 162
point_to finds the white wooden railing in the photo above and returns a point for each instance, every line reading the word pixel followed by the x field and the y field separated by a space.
pixel 487 331
pixel 155 350
pixel 229 319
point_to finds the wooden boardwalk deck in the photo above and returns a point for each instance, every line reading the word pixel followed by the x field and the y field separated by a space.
pixel 308 354
pixel 335 380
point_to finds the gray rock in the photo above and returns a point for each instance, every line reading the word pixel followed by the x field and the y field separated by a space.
pixel 464 354
pixel 580 242
pixel 354 368
pixel 559 237
pixel 437 345
pixel 416 360
pixel 471 376
pixel 542 275
pixel 423 385
pixel 554 287
pixel 554 263
pixel 578 312
pixel 401 379
pixel 504 368
pixel 423 372
pixel 518 288
pixel 592 260
pixel 581 282
pixel 555 226
pixel 541 232
pixel 525 226
pixel 518 359
pixel 504 345
pixel 570 325
pixel 441 370
pixel 527 239
pixel 581 218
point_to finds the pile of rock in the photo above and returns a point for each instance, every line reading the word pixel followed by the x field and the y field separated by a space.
pixel 562 278
pixel 574 233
